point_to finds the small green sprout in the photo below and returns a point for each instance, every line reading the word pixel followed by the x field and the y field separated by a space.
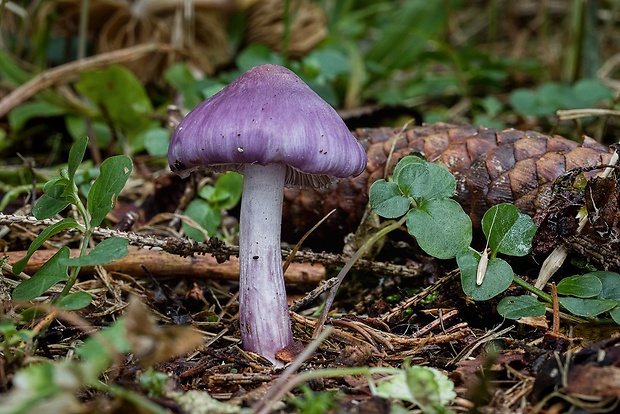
pixel 59 193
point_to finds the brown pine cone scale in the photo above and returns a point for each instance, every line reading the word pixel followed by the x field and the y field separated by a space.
pixel 490 166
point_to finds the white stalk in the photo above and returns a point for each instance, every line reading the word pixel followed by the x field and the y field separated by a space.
pixel 263 310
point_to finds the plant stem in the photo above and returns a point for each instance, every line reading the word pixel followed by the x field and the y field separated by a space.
pixel 530 288
pixel 88 231
pixel 83 29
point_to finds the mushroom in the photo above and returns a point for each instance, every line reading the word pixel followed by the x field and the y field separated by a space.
pixel 271 127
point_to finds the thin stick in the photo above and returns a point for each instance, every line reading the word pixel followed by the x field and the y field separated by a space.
pixel 68 71
pixel 566 114
pixel 291 256
pixel 555 328
pixel 221 250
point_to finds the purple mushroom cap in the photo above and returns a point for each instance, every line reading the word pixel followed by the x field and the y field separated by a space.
pixel 267 115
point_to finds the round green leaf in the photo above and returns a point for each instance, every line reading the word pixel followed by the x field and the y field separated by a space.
pixel 441 227
pixel 203 213
pixel 516 307
pixel 581 286
pixel 405 161
pixel 426 181
pixel 498 277
pixel 588 308
pixel 228 188
pixel 524 102
pixel 590 92
pixel 387 200
pixel 508 230
pixel 610 284
pixel 615 314
pixel 206 192
pixel 121 94
pixel 156 141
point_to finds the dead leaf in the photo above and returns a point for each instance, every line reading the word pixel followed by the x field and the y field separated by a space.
pixel 152 343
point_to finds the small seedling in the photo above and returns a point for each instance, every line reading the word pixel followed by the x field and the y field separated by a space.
pixel 13 339
pixel 60 193
pixel 207 209
pixel 314 403
pixel 421 190
pixel 588 296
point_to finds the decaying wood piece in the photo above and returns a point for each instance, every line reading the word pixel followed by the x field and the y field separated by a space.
pixel 490 166
pixel 161 264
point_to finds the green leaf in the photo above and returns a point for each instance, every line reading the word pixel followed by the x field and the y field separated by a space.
pixel 257 54
pixel 516 307
pixel 508 230
pixel 77 129
pixel 327 63
pixel 610 282
pixel 205 215
pixel 97 356
pixel 590 92
pixel 181 78
pixel 121 94
pixel 425 181
pixel 498 277
pixel 114 173
pixel 47 276
pixel 156 141
pixel 74 301
pixel 615 314
pixel 12 70
pixel 588 308
pixel 581 286
pixel 404 162
pixel 441 227
pixel 426 387
pixel 106 251
pixel 206 192
pixel 76 155
pixel 55 228
pixel 387 200
pixel 524 102
pixel 52 202
pixel 32 385
pixel 29 110
pixel 227 191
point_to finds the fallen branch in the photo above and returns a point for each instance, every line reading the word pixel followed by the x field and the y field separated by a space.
pixel 222 251
pixel 68 71
pixel 161 264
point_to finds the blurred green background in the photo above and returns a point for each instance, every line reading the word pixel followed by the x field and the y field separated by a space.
pixel 111 68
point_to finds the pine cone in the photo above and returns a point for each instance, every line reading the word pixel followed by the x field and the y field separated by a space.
pixel 490 166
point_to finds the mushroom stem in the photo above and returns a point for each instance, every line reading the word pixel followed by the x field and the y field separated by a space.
pixel 263 310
